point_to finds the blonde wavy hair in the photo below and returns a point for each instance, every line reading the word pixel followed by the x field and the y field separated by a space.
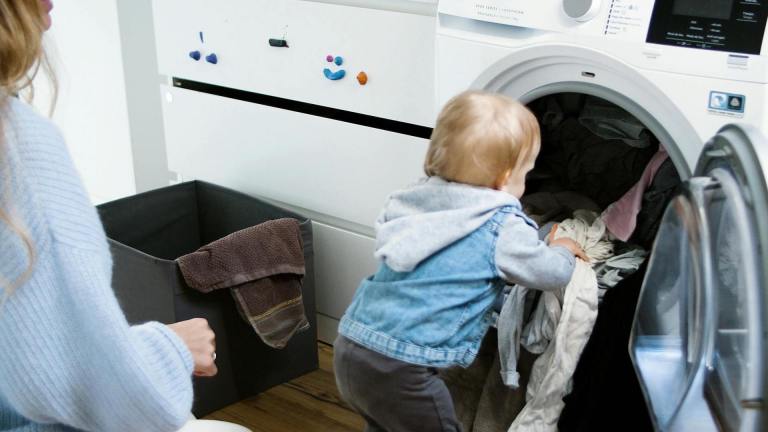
pixel 480 135
pixel 22 25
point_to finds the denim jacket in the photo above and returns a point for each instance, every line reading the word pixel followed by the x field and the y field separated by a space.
pixel 437 314
pixel 446 250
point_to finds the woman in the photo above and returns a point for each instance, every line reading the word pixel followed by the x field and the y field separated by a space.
pixel 68 359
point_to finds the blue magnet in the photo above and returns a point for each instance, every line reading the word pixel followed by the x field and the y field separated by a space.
pixel 333 76
pixel 338 60
pixel 201 37
pixel 211 58
pixel 194 55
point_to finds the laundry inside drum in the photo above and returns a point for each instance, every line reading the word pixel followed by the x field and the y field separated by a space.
pixel 592 153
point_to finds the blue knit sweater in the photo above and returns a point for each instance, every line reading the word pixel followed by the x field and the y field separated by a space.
pixel 68 358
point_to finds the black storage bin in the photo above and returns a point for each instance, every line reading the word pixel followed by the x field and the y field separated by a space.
pixel 147 232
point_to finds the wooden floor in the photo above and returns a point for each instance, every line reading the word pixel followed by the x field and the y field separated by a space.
pixel 309 403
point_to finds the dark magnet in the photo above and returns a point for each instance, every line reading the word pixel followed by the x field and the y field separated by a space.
pixel 280 43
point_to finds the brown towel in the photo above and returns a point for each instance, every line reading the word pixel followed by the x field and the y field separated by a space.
pixel 263 266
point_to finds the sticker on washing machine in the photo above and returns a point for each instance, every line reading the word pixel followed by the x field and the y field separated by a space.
pixel 727 104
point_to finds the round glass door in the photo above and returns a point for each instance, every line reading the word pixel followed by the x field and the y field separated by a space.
pixel 668 333
pixel 730 363
pixel 737 212
pixel 699 336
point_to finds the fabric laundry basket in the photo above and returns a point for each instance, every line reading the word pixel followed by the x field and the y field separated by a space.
pixel 147 232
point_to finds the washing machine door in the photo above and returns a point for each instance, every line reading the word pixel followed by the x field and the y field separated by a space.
pixel 698 341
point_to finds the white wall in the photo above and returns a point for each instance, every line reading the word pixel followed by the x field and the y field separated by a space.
pixel 150 163
pixel 84 43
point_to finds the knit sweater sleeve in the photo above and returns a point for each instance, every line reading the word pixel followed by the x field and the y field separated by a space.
pixel 67 353
pixel 70 358
pixel 523 259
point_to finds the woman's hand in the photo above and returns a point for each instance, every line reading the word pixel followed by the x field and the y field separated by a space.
pixel 201 341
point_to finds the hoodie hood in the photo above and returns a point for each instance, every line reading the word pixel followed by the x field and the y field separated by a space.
pixel 421 220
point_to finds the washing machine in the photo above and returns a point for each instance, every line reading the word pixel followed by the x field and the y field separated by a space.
pixel 695 73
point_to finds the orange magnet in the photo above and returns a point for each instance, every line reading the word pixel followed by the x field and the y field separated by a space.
pixel 362 78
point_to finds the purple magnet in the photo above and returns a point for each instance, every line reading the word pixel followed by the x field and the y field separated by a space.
pixel 329 58
pixel 194 55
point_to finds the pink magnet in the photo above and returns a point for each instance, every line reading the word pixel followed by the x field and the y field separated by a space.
pixel 329 58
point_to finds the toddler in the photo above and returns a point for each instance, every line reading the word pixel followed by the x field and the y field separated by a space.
pixel 447 246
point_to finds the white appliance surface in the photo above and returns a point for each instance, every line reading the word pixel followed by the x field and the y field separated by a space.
pixel 684 91
pixel 336 172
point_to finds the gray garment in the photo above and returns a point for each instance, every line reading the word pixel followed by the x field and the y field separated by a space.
pixel 483 403
pixel 510 329
pixel 421 220
pixel 613 270
pixel 552 372
pixel 540 329
pixel 392 395
pixel 617 268
pixel 609 121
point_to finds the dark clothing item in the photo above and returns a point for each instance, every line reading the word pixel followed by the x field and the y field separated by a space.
pixel 263 265
pixel 666 184
pixel 575 159
pixel 606 391
pixel 599 165
pixel 545 207
pixel 391 395
pixel 609 121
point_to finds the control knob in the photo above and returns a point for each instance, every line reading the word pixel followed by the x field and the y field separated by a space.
pixel 581 10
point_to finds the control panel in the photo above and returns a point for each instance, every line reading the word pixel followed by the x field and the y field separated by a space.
pixel 615 19
pixel 736 26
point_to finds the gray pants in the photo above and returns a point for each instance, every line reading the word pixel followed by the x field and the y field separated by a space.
pixel 391 395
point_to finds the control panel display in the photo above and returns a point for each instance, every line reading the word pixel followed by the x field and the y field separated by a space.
pixel 703 8
pixel 722 25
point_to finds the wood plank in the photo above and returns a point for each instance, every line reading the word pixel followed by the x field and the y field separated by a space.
pixel 325 354
pixel 308 403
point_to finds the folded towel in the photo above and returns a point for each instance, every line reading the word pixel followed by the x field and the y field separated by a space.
pixel 263 266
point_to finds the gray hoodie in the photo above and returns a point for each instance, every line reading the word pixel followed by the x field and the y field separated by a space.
pixel 422 219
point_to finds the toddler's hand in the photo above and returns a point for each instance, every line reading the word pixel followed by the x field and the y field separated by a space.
pixel 569 244
pixel 551 235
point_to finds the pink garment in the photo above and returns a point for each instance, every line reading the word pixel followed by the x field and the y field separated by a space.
pixel 621 217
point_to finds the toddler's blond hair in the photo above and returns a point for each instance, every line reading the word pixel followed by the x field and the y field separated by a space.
pixel 479 136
